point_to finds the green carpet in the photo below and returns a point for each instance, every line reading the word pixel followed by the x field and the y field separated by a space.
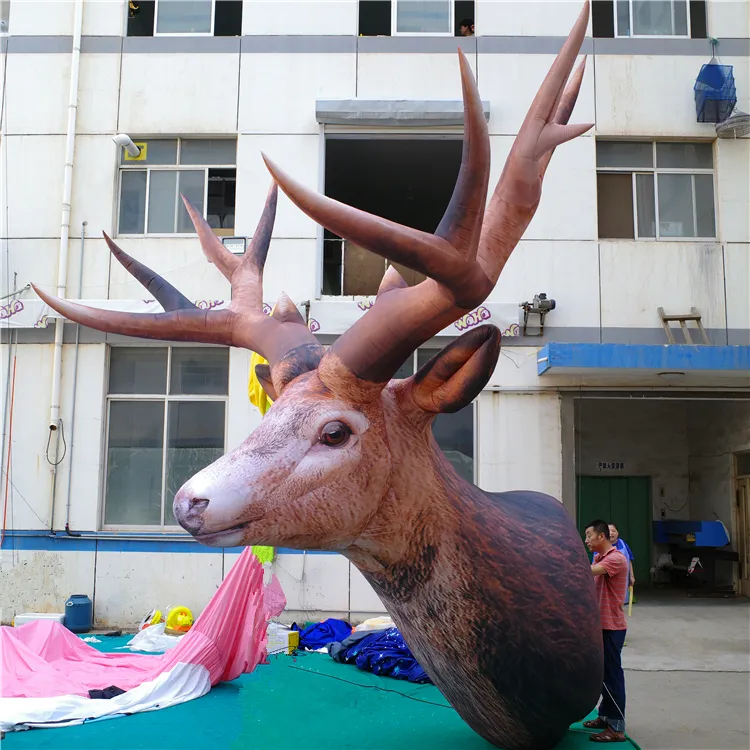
pixel 308 702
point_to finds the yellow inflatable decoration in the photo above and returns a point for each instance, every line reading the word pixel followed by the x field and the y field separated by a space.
pixel 259 399
pixel 179 621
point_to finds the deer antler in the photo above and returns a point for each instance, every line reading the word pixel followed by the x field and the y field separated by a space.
pixel 244 324
pixel 464 257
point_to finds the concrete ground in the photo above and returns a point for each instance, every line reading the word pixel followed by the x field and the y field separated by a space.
pixel 687 673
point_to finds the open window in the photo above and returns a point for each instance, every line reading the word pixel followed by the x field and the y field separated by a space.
pixel 184 17
pixel 649 18
pixel 416 17
pixel 655 190
pixel 407 180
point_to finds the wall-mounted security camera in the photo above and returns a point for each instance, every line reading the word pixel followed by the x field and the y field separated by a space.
pixel 126 142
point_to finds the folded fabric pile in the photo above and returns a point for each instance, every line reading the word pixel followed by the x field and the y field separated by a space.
pixel 49 677
pixel 320 634
pixel 382 652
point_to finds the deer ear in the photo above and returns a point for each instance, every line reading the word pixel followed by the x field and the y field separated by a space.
pixel 454 377
pixel 263 373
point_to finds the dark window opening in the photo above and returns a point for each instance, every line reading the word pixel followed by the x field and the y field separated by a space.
pixel 375 18
pixel 141 14
pixel 698 23
pixel 463 10
pixel 409 181
pixel 228 18
pixel 603 19
pixel 222 189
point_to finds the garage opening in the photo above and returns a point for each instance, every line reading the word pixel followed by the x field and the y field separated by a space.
pixel 408 180
pixel 673 474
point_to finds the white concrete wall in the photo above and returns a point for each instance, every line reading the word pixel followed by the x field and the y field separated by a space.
pixel 650 437
pixel 519 442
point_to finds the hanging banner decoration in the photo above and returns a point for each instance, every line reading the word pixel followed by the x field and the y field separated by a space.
pixel 328 316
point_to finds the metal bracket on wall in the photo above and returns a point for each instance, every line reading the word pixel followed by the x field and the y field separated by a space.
pixel 693 315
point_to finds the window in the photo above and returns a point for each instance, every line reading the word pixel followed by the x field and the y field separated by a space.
pixel 151 184
pixel 409 181
pixel 454 433
pixel 166 421
pixel 655 190
pixel 413 17
pixel 182 17
pixel 4 16
pixel 624 18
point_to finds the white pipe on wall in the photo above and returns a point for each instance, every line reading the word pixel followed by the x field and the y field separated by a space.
pixel 62 265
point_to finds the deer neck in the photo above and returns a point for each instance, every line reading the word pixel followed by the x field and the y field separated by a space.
pixel 402 547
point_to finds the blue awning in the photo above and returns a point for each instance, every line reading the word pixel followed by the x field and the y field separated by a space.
pixel 667 358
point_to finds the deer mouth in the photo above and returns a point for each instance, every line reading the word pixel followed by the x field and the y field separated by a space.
pixel 211 538
pixel 229 537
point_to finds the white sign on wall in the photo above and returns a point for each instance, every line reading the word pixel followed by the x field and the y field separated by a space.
pixel 611 466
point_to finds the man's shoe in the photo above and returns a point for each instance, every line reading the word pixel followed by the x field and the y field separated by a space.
pixel 608 735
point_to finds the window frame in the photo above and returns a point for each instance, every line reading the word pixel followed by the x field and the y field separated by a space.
pixel 166 398
pixel 655 171
pixel 396 32
pixel 176 167
pixel 649 36
pixel 183 33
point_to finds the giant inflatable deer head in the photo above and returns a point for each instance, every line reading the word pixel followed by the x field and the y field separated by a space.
pixel 492 591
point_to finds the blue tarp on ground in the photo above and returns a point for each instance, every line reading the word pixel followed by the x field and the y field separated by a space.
pixel 382 652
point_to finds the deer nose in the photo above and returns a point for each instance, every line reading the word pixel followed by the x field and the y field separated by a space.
pixel 188 510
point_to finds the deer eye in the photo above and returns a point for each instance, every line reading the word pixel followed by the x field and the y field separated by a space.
pixel 335 434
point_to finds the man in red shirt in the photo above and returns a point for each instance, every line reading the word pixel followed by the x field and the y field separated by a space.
pixel 611 570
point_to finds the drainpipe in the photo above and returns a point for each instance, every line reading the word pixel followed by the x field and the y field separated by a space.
pixel 71 435
pixel 62 262
pixel 62 266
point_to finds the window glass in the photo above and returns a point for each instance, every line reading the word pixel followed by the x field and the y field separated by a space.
pixel 135 369
pixel 132 202
pixel 652 17
pixel 406 370
pixel 675 205
pixel 192 184
pixel 162 201
pixel 183 17
pixel 4 16
pixel 704 205
pixel 615 205
pixel 423 16
pixel 212 152
pixel 157 152
pixel 134 462
pixel 623 18
pixel 454 433
pixel 644 192
pixel 680 18
pixel 624 154
pixel 195 439
pixel 200 370
pixel 684 155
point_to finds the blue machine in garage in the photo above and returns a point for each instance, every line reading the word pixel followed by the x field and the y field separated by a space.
pixel 695 547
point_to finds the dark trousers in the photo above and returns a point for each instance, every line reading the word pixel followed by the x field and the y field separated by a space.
pixel 612 707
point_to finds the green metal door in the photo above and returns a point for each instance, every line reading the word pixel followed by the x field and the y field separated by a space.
pixel 625 502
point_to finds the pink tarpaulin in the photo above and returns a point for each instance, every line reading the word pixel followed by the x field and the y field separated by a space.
pixel 43 659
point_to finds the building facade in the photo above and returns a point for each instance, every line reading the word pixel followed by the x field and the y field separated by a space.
pixel 360 100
